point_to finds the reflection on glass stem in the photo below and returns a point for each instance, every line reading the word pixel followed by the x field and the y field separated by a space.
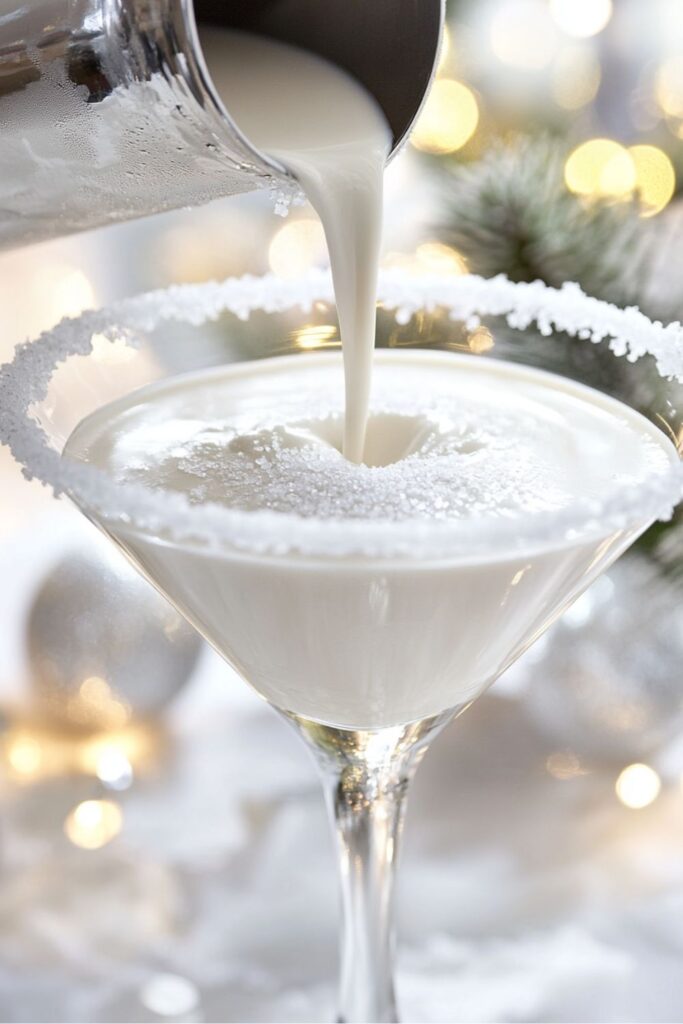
pixel 366 775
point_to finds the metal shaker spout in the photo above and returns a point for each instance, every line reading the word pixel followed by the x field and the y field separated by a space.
pixel 108 112
pixel 390 46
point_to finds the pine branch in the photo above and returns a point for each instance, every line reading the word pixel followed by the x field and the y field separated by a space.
pixel 511 213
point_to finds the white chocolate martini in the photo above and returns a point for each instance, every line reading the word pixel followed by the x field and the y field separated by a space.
pixel 361 641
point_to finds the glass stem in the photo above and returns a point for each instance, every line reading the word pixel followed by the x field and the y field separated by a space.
pixel 368 814
pixel 366 775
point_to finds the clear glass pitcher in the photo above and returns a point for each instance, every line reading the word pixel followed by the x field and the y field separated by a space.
pixel 108 111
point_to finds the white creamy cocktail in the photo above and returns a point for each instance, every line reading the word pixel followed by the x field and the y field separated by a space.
pixel 358 641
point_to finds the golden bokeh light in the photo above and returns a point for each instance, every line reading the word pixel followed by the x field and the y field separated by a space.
pixel 317 336
pixel 603 168
pixel 576 77
pixel 137 744
pixel 480 341
pixel 669 87
pixel 449 118
pixel 93 823
pixel 564 765
pixel 97 706
pixel 296 247
pixel 638 786
pixel 95 690
pixel 30 752
pixel 655 178
pixel 437 258
pixel 600 168
pixel 581 18
pixel 24 755
pixel 523 35
pixel 428 258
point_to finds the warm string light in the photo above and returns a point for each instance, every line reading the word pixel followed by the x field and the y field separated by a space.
pixel 523 35
pixel 564 765
pixel 656 178
pixel 113 768
pixel 296 247
pixel 315 336
pixel 581 18
pixel 96 705
pixel 576 77
pixel 602 168
pixel 93 823
pixel 24 756
pixel 668 87
pixel 428 258
pixel 50 289
pixel 481 340
pixel 32 752
pixel 170 995
pixel 638 786
pixel 449 118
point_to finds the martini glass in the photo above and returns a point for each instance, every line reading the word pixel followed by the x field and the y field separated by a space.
pixel 367 759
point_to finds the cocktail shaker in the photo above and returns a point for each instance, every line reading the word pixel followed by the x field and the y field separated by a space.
pixel 108 111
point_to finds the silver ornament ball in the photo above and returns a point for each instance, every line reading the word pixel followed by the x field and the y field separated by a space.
pixel 606 679
pixel 103 645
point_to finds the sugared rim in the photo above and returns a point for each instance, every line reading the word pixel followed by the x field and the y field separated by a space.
pixel 629 334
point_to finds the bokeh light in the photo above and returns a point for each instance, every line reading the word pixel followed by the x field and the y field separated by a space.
pixel 96 705
pixel 113 768
pixel 638 786
pixel 581 18
pixel 669 87
pixel 449 118
pixel 170 995
pixel 655 178
pixel 605 169
pixel 576 77
pixel 564 765
pixel 315 336
pixel 33 751
pixel 93 823
pixel 296 247
pixel 600 168
pixel 480 340
pixel 523 35
pixel 437 258
pixel 428 258
pixel 24 755
pixel 114 754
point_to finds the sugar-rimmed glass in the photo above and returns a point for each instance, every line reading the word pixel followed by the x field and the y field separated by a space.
pixel 83 364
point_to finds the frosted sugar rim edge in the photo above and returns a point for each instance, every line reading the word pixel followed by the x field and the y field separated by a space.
pixel 628 333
